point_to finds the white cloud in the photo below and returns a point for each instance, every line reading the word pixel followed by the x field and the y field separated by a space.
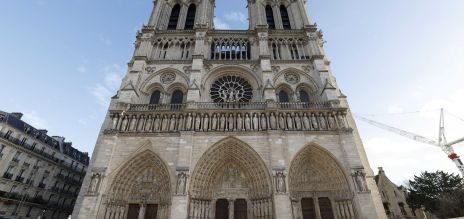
pixel 33 118
pixel 103 91
pixel 236 16
pixel 81 69
pixel 220 24
pixel 394 109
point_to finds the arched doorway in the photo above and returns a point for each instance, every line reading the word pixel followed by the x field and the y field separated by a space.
pixel 318 187
pixel 141 189
pixel 230 178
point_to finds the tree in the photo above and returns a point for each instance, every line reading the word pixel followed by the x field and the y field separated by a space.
pixel 452 204
pixel 435 191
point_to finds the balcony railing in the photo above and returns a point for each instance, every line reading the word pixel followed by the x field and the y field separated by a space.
pixel 7 175
pixel 236 117
pixel 227 106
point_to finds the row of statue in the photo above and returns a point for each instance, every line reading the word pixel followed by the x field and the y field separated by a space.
pixel 205 122
pixel 203 209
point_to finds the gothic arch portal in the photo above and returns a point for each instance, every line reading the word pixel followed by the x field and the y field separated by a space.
pixel 317 182
pixel 141 185
pixel 231 170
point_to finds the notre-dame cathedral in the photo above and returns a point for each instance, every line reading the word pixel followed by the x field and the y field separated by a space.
pixel 229 124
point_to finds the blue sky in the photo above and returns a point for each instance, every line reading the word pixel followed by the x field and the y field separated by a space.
pixel 61 61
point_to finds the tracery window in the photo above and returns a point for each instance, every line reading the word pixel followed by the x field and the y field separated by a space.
pixel 304 97
pixel 190 20
pixel 270 17
pixel 174 18
pixel 285 18
pixel 283 97
pixel 231 89
pixel 177 97
pixel 155 97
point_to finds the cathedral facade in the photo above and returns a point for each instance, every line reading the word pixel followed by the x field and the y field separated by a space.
pixel 229 124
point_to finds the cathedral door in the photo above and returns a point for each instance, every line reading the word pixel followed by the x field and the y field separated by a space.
pixel 326 208
pixel 222 209
pixel 133 212
pixel 307 206
pixel 240 209
pixel 151 212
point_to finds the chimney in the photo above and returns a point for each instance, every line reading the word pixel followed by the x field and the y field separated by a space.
pixel 17 115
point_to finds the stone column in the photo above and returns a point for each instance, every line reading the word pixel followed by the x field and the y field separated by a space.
pixel 231 208
pixel 155 13
pixel 317 208
pixel 182 17
pixel 143 208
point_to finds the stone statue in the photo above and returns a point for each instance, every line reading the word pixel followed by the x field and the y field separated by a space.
pixel 188 123
pixel 172 124
pixel 197 122
pixel 332 122
pixel 214 121
pixel 156 126
pixel 205 123
pixel 181 183
pixel 180 124
pixel 133 123
pixel 247 122
pixel 323 122
pixel 94 183
pixel 140 127
pixel 222 122
pixel 341 120
pixel 289 122
pixel 165 123
pixel 307 125
pixel 230 122
pixel 280 182
pixel 272 121
pixel 282 122
pixel 255 122
pixel 359 178
pixel 314 122
pixel 263 122
pixel 297 121
pixel 148 126
pixel 239 122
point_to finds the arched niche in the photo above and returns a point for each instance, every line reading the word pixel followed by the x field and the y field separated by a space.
pixel 225 155
pixel 140 183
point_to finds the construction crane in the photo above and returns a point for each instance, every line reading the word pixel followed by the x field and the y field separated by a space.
pixel 441 143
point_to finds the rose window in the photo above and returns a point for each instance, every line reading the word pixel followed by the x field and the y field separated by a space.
pixel 231 89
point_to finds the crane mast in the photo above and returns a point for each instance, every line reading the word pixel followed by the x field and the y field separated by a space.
pixel 442 143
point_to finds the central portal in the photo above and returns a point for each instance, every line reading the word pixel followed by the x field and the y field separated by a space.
pixel 230 181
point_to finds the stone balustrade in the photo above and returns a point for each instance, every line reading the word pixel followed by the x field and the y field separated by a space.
pixel 213 117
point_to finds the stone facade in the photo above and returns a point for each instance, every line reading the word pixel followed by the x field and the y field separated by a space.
pixel 41 175
pixel 229 124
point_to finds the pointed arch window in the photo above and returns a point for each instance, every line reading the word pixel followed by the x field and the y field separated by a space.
pixel 283 97
pixel 177 97
pixel 285 17
pixel 270 17
pixel 304 97
pixel 174 18
pixel 190 20
pixel 155 97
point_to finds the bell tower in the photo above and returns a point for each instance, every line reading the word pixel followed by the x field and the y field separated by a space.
pixel 213 123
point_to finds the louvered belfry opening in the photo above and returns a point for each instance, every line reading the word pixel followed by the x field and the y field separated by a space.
pixel 174 18
pixel 190 20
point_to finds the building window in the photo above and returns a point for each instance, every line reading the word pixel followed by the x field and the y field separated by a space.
pixel 231 89
pixel 285 18
pixel 8 134
pixel 174 18
pixel 283 97
pixel 177 97
pixel 155 97
pixel 270 17
pixel 190 20
pixel 304 97
pixel 1 149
